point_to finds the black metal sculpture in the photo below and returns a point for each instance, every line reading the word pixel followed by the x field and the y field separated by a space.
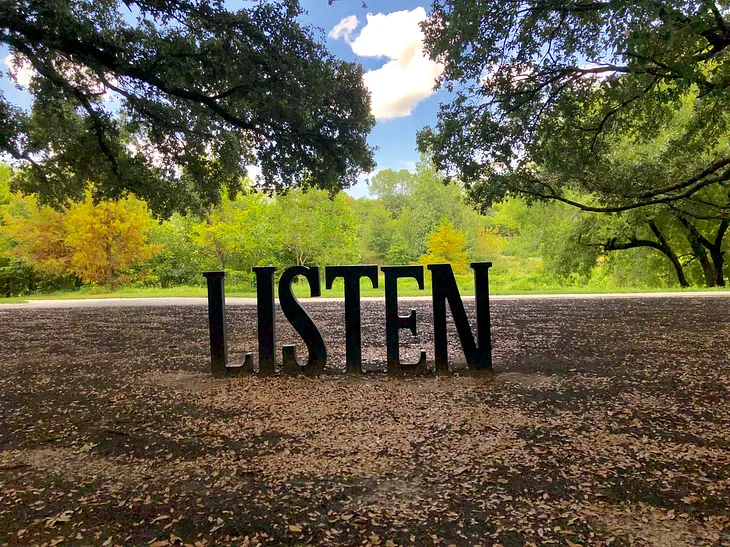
pixel 395 322
pixel 353 331
pixel 266 318
pixel 217 322
pixel 302 323
pixel 478 353
pixel 445 288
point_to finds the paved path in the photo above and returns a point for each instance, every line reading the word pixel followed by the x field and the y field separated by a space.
pixel 239 301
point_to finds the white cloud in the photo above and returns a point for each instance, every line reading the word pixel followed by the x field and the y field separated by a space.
pixel 20 69
pixel 396 89
pixel 409 75
pixel 345 28
pixel 394 35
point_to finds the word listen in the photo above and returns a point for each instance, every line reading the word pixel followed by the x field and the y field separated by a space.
pixel 478 352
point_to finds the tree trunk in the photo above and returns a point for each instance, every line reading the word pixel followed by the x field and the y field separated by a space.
pixel 718 255
pixel 714 274
pixel 678 269
pixel 699 251
pixel 718 259
pixel 670 254
pixel 662 246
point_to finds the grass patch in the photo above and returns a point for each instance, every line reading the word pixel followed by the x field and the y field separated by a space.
pixel 123 292
pixel 406 288
pixel 13 300
pixel 500 284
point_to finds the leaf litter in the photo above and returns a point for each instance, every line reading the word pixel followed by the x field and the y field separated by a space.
pixel 604 423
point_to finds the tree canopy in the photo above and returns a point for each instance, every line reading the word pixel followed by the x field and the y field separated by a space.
pixel 98 242
pixel 549 244
pixel 172 100
pixel 544 89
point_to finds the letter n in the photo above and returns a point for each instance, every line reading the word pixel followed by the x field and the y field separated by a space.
pixel 478 356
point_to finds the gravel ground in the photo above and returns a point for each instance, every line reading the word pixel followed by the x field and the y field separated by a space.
pixel 605 422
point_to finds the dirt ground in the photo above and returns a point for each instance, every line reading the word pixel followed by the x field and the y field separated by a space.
pixel 605 422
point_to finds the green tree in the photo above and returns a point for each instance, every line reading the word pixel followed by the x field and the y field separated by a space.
pixel 178 261
pixel 315 229
pixel 399 252
pixel 238 233
pixel 417 202
pixel 378 231
pixel 204 91
pixel 6 174
pixel 551 231
pixel 695 226
pixel 392 188
pixel 647 228
pixel 543 89
pixel 571 243
pixel 607 106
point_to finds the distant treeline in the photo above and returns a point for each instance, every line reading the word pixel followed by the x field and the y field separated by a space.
pixel 411 217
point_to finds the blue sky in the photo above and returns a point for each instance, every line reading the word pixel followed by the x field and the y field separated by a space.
pixel 384 37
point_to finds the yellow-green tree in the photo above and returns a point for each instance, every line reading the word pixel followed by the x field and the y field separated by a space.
pixel 36 235
pixel 316 228
pixel 237 234
pixel 108 238
pixel 490 243
pixel 446 244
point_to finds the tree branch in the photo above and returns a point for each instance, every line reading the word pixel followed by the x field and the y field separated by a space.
pixel 105 55
pixel 692 229
pixel 52 74
pixel 721 231
pixel 690 187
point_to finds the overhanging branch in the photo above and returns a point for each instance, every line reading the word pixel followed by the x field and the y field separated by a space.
pixel 690 186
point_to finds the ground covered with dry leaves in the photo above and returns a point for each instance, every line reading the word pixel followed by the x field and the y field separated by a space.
pixel 605 422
